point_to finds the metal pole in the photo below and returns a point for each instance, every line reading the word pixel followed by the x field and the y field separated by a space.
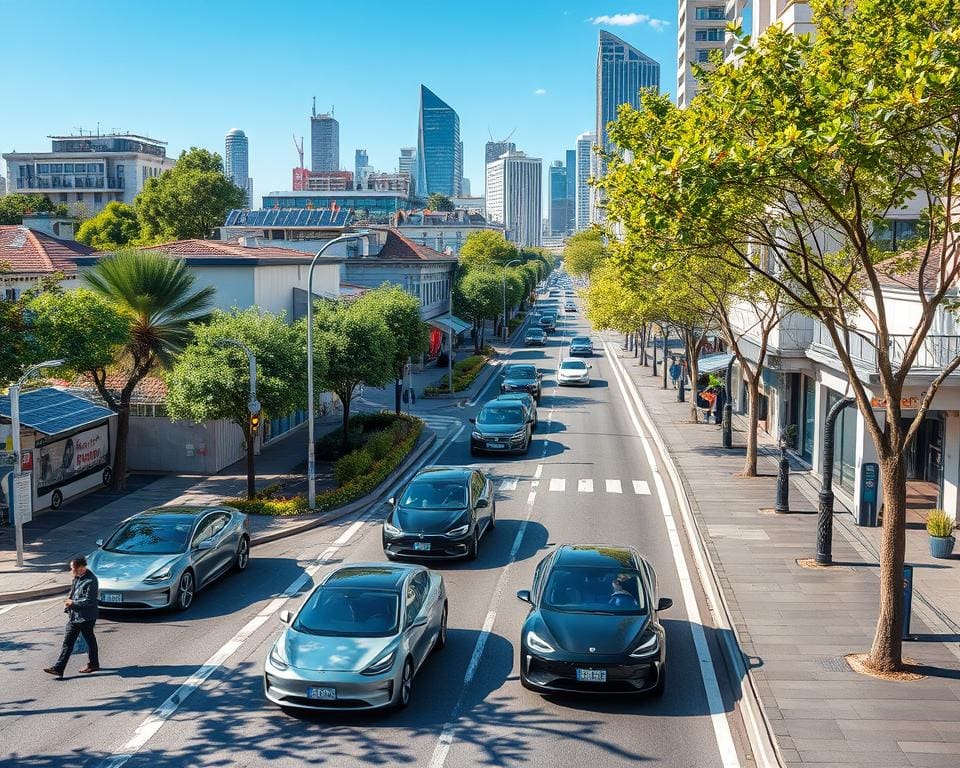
pixel 782 504
pixel 505 267
pixel 825 506
pixel 311 460
pixel 450 337
pixel 728 407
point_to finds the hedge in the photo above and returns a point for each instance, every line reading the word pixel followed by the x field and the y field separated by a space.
pixel 464 373
pixel 405 431
pixel 329 446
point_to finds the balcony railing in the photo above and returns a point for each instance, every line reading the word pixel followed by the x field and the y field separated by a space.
pixel 936 352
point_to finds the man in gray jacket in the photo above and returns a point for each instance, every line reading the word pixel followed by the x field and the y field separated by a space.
pixel 81 609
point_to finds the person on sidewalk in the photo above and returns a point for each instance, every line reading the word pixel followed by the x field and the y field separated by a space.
pixel 81 610
pixel 674 371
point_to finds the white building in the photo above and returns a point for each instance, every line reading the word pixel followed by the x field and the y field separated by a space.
pixel 444 232
pixel 236 162
pixel 514 193
pixel 87 172
pixel 701 28
pixel 585 144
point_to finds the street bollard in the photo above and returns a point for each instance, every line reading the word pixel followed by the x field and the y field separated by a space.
pixel 783 480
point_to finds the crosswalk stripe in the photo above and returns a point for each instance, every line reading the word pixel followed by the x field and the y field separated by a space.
pixel 585 486
pixel 614 486
pixel 510 484
pixel 641 487
pixel 558 484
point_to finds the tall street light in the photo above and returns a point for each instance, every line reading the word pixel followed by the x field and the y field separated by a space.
pixel 505 268
pixel 18 514
pixel 311 460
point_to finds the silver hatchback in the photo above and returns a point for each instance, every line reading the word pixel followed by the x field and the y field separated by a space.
pixel 161 557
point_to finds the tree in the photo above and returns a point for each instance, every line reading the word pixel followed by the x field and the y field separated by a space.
pixel 355 346
pixel 211 380
pixel 786 164
pixel 478 296
pixel 486 247
pixel 188 200
pixel 584 252
pixel 14 207
pixel 438 202
pixel 401 313
pixel 114 227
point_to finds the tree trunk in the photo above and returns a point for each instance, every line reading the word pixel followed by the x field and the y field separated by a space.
pixel 691 348
pixel 119 481
pixel 753 419
pixel 251 471
pixel 398 394
pixel 663 361
pixel 345 437
pixel 886 655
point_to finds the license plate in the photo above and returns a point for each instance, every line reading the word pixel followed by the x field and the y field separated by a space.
pixel 421 546
pixel 591 675
pixel 111 597
pixel 494 445
pixel 324 694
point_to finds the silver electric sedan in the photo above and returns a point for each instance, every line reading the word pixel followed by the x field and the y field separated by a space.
pixel 359 639
pixel 161 557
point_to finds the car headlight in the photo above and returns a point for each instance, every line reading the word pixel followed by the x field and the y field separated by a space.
pixel 276 656
pixel 538 644
pixel 508 387
pixel 458 531
pixel 649 645
pixel 381 665
pixel 476 435
pixel 161 575
pixel 391 530
pixel 519 434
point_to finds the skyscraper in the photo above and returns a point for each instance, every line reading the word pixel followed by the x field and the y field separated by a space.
pixel 559 201
pixel 494 149
pixel 702 28
pixel 324 142
pixel 571 191
pixel 439 150
pixel 622 73
pixel 585 142
pixel 360 163
pixel 236 162
pixel 513 195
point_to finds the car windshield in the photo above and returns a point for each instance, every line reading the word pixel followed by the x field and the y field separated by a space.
pixel 580 340
pixel 350 612
pixel 521 372
pixel 501 416
pixel 578 365
pixel 595 590
pixel 152 536
pixel 435 494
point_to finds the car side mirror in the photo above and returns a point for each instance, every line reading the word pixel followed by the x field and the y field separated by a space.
pixel 482 503
pixel 524 594
pixel 589 366
pixel 392 500
pixel 664 603
pixel 286 617
pixel 473 420
pixel 99 542
pixel 204 545
pixel 420 621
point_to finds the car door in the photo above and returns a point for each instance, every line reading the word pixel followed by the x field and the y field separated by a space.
pixel 224 541
pixel 477 488
pixel 418 637
pixel 203 550
pixel 540 578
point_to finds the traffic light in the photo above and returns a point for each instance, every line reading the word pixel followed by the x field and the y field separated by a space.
pixel 254 422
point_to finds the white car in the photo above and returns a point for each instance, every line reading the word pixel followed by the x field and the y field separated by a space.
pixel 574 372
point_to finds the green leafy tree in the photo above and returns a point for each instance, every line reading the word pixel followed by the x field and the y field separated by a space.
pixel 486 247
pixel 188 200
pixel 114 227
pixel 354 345
pixel 211 380
pixel 14 207
pixel 438 202
pixel 478 296
pixel 401 313
pixel 584 252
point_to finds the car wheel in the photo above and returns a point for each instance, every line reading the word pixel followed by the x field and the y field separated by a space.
pixel 107 476
pixel 185 591
pixel 474 549
pixel 56 499
pixel 526 446
pixel 406 685
pixel 242 559
pixel 661 681
pixel 493 516
pixel 441 642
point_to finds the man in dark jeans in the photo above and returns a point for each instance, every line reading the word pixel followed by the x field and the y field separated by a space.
pixel 81 610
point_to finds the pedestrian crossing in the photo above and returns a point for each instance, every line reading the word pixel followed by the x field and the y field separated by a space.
pixel 582 485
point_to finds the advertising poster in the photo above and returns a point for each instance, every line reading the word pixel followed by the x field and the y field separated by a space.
pixel 66 459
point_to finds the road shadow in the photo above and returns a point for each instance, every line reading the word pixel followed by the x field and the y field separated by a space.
pixel 571 401
pixel 495 547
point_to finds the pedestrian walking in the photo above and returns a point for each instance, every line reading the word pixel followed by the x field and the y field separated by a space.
pixel 81 610
pixel 674 371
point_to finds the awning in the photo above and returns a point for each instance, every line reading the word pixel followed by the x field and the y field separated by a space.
pixel 446 323
pixel 52 411
pixel 713 363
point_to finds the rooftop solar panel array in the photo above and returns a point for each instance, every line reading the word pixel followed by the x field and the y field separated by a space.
pixel 52 411
pixel 288 217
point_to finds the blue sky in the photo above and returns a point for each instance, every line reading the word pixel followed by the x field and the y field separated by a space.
pixel 187 72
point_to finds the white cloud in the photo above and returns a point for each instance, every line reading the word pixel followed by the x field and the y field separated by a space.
pixel 630 20
pixel 540 92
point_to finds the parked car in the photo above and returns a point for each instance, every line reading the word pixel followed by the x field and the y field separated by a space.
pixel 359 639
pixel 573 372
pixel 161 557
pixel 442 513
pixel 522 378
pixel 500 427
pixel 594 623
pixel 535 337
pixel 569 306
pixel 526 399
pixel 581 346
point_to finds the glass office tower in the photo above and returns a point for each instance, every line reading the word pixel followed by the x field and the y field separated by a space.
pixel 439 151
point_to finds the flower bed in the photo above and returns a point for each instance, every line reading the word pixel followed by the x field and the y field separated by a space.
pixel 464 373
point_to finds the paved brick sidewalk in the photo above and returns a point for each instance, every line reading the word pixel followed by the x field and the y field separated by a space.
pixel 795 624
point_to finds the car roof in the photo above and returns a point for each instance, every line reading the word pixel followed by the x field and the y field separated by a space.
pixel 183 511
pixel 596 555
pixel 501 404
pixel 371 575
pixel 443 473
pixel 573 363
pixel 514 396
pixel 514 367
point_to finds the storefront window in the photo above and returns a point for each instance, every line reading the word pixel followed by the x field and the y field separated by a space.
pixel 844 444
pixel 809 418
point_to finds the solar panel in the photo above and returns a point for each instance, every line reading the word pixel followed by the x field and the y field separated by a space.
pixel 52 411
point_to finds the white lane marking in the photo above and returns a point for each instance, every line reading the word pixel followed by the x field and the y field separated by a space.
pixel 614 486
pixel 5 608
pixel 558 484
pixel 708 673
pixel 510 484
pixel 445 740
pixel 536 475
pixel 641 487
pixel 585 486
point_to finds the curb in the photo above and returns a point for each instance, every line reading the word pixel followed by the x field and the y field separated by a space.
pixel 760 735
pixel 265 538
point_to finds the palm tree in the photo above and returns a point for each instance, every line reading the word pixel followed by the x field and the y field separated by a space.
pixel 157 293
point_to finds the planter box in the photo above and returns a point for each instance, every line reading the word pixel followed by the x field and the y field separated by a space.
pixel 941 546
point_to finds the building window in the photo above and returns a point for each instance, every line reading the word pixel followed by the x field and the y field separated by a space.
pixel 713 13
pixel 63 197
pixel 710 35
pixel 98 198
pixel 897 234
pixel 10 294
pixel 79 197
pixel 703 55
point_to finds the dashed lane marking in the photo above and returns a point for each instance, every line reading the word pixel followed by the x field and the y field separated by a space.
pixel 614 486
pixel 585 486
pixel 641 487
pixel 558 484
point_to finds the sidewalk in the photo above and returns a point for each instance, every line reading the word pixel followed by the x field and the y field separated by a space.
pixel 796 624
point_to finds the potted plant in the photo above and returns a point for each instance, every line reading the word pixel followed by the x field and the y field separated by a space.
pixel 940 527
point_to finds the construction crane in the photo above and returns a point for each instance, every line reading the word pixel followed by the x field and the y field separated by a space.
pixel 299 147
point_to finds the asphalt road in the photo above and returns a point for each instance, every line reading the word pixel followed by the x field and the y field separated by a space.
pixel 186 690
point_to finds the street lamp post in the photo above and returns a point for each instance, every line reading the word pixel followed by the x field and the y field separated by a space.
pixel 253 406
pixel 15 426
pixel 505 268
pixel 825 506
pixel 728 406
pixel 311 459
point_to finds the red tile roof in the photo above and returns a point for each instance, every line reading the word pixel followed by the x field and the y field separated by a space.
pixel 398 246
pixel 150 390
pixel 902 271
pixel 225 249
pixel 27 251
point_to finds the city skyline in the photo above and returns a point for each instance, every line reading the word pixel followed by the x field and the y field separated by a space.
pixel 548 105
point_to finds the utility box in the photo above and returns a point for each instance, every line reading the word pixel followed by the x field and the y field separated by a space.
pixel 867 512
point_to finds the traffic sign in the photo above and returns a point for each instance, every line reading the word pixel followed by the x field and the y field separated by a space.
pixel 23 497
